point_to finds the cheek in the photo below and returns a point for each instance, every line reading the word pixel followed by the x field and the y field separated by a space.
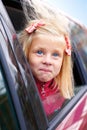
pixel 33 61
pixel 58 66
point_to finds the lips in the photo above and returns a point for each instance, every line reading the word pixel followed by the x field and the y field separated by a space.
pixel 45 70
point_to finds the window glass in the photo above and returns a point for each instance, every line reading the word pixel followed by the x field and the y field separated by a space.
pixel 7 115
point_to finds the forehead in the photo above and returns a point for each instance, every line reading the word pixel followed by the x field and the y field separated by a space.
pixel 48 39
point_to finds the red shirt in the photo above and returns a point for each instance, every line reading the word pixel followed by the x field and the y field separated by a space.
pixel 50 95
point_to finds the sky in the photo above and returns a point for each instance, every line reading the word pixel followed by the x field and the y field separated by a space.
pixel 76 9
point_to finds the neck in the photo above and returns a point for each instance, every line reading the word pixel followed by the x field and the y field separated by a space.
pixel 46 88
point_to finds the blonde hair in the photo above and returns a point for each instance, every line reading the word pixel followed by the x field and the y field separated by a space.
pixel 55 24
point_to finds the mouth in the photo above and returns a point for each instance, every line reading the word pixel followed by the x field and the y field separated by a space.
pixel 45 70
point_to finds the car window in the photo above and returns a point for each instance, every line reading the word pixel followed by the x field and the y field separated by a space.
pixel 8 119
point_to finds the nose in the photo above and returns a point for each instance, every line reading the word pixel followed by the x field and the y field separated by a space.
pixel 47 60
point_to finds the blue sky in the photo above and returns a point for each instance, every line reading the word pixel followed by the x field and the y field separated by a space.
pixel 77 9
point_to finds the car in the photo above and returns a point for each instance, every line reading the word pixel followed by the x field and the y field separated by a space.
pixel 20 104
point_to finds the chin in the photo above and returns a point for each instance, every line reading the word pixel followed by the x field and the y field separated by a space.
pixel 45 79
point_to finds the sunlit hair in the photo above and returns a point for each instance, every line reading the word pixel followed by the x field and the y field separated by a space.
pixel 56 25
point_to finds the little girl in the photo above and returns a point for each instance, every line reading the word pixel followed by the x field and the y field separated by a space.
pixel 47 47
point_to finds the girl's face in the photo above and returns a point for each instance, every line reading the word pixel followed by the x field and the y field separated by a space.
pixel 46 56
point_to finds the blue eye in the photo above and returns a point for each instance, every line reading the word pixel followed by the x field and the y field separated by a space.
pixel 55 54
pixel 39 52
